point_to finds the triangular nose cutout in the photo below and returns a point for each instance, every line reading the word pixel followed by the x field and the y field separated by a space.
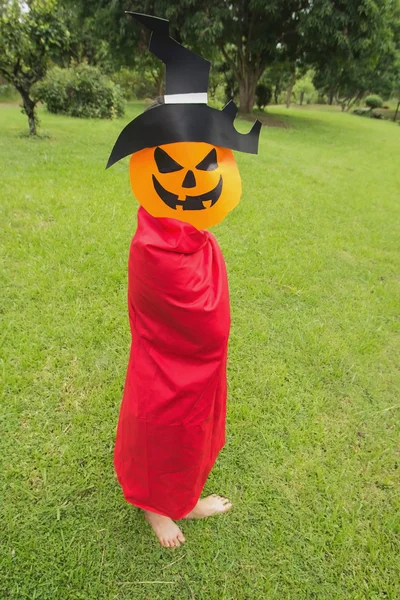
pixel 189 181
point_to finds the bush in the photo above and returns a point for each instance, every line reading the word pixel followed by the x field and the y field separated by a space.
pixel 81 91
pixel 374 101
pixel 263 95
pixel 136 84
pixel 8 93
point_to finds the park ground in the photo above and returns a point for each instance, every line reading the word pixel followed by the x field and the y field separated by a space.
pixel 312 460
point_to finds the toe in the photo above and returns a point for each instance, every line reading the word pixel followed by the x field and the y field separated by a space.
pixel 227 507
pixel 181 537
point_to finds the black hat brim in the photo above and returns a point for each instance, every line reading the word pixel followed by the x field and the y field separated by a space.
pixel 169 123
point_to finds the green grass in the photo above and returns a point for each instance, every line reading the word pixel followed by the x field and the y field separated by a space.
pixel 312 456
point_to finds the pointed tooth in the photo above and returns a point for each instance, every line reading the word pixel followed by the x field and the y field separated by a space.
pixel 206 203
pixel 179 207
pixel 182 197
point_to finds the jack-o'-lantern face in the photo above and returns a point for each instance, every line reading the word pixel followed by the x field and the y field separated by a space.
pixel 189 181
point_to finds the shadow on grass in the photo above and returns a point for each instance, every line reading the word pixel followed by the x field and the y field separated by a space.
pixel 284 121
pixel 268 119
pixel 39 137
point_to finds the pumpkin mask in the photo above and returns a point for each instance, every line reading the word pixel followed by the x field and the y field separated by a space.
pixel 188 181
pixel 182 165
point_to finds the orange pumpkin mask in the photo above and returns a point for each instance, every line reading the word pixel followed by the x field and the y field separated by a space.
pixel 182 166
pixel 193 182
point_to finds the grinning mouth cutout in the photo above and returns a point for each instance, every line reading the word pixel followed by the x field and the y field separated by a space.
pixel 192 202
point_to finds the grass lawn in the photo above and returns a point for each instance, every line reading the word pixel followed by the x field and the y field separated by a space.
pixel 312 457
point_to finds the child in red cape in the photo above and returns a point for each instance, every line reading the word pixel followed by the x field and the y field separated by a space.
pixel 183 173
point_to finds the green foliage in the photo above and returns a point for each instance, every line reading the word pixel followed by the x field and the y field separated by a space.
pixel 218 95
pixel 350 43
pixel 374 101
pixel 250 36
pixel 29 36
pixel 277 75
pixel 148 82
pixel 304 89
pixel 136 84
pixel 81 91
pixel 245 35
pixel 263 95
pixel 7 93
pixel 356 47
pixel 94 20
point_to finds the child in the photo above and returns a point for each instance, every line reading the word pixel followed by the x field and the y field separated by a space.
pixel 172 419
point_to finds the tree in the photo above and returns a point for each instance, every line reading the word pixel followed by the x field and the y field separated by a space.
pixel 353 80
pixel 342 83
pixel 250 35
pixel 395 92
pixel 126 43
pixel 396 86
pixel 397 107
pixel 263 95
pixel 277 75
pixel 304 87
pixel 395 65
pixel 340 38
pixel 29 36
pixel 297 70
pixel 253 35
pixel 349 42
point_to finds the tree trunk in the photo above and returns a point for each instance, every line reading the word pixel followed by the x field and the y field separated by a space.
pixel 397 110
pixel 290 88
pixel 330 97
pixel 29 109
pixel 160 85
pixel 301 98
pixel 247 91
pixel 357 98
pixel 276 94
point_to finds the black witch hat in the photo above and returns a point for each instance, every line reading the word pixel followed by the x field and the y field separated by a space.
pixel 184 116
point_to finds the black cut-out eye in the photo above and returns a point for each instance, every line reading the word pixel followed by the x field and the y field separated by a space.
pixel 165 163
pixel 209 163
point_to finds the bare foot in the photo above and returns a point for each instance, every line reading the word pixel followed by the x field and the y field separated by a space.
pixel 207 507
pixel 168 533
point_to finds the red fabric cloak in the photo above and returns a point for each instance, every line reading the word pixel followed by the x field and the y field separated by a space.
pixel 172 419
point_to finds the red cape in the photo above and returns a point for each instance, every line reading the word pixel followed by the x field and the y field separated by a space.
pixel 172 419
